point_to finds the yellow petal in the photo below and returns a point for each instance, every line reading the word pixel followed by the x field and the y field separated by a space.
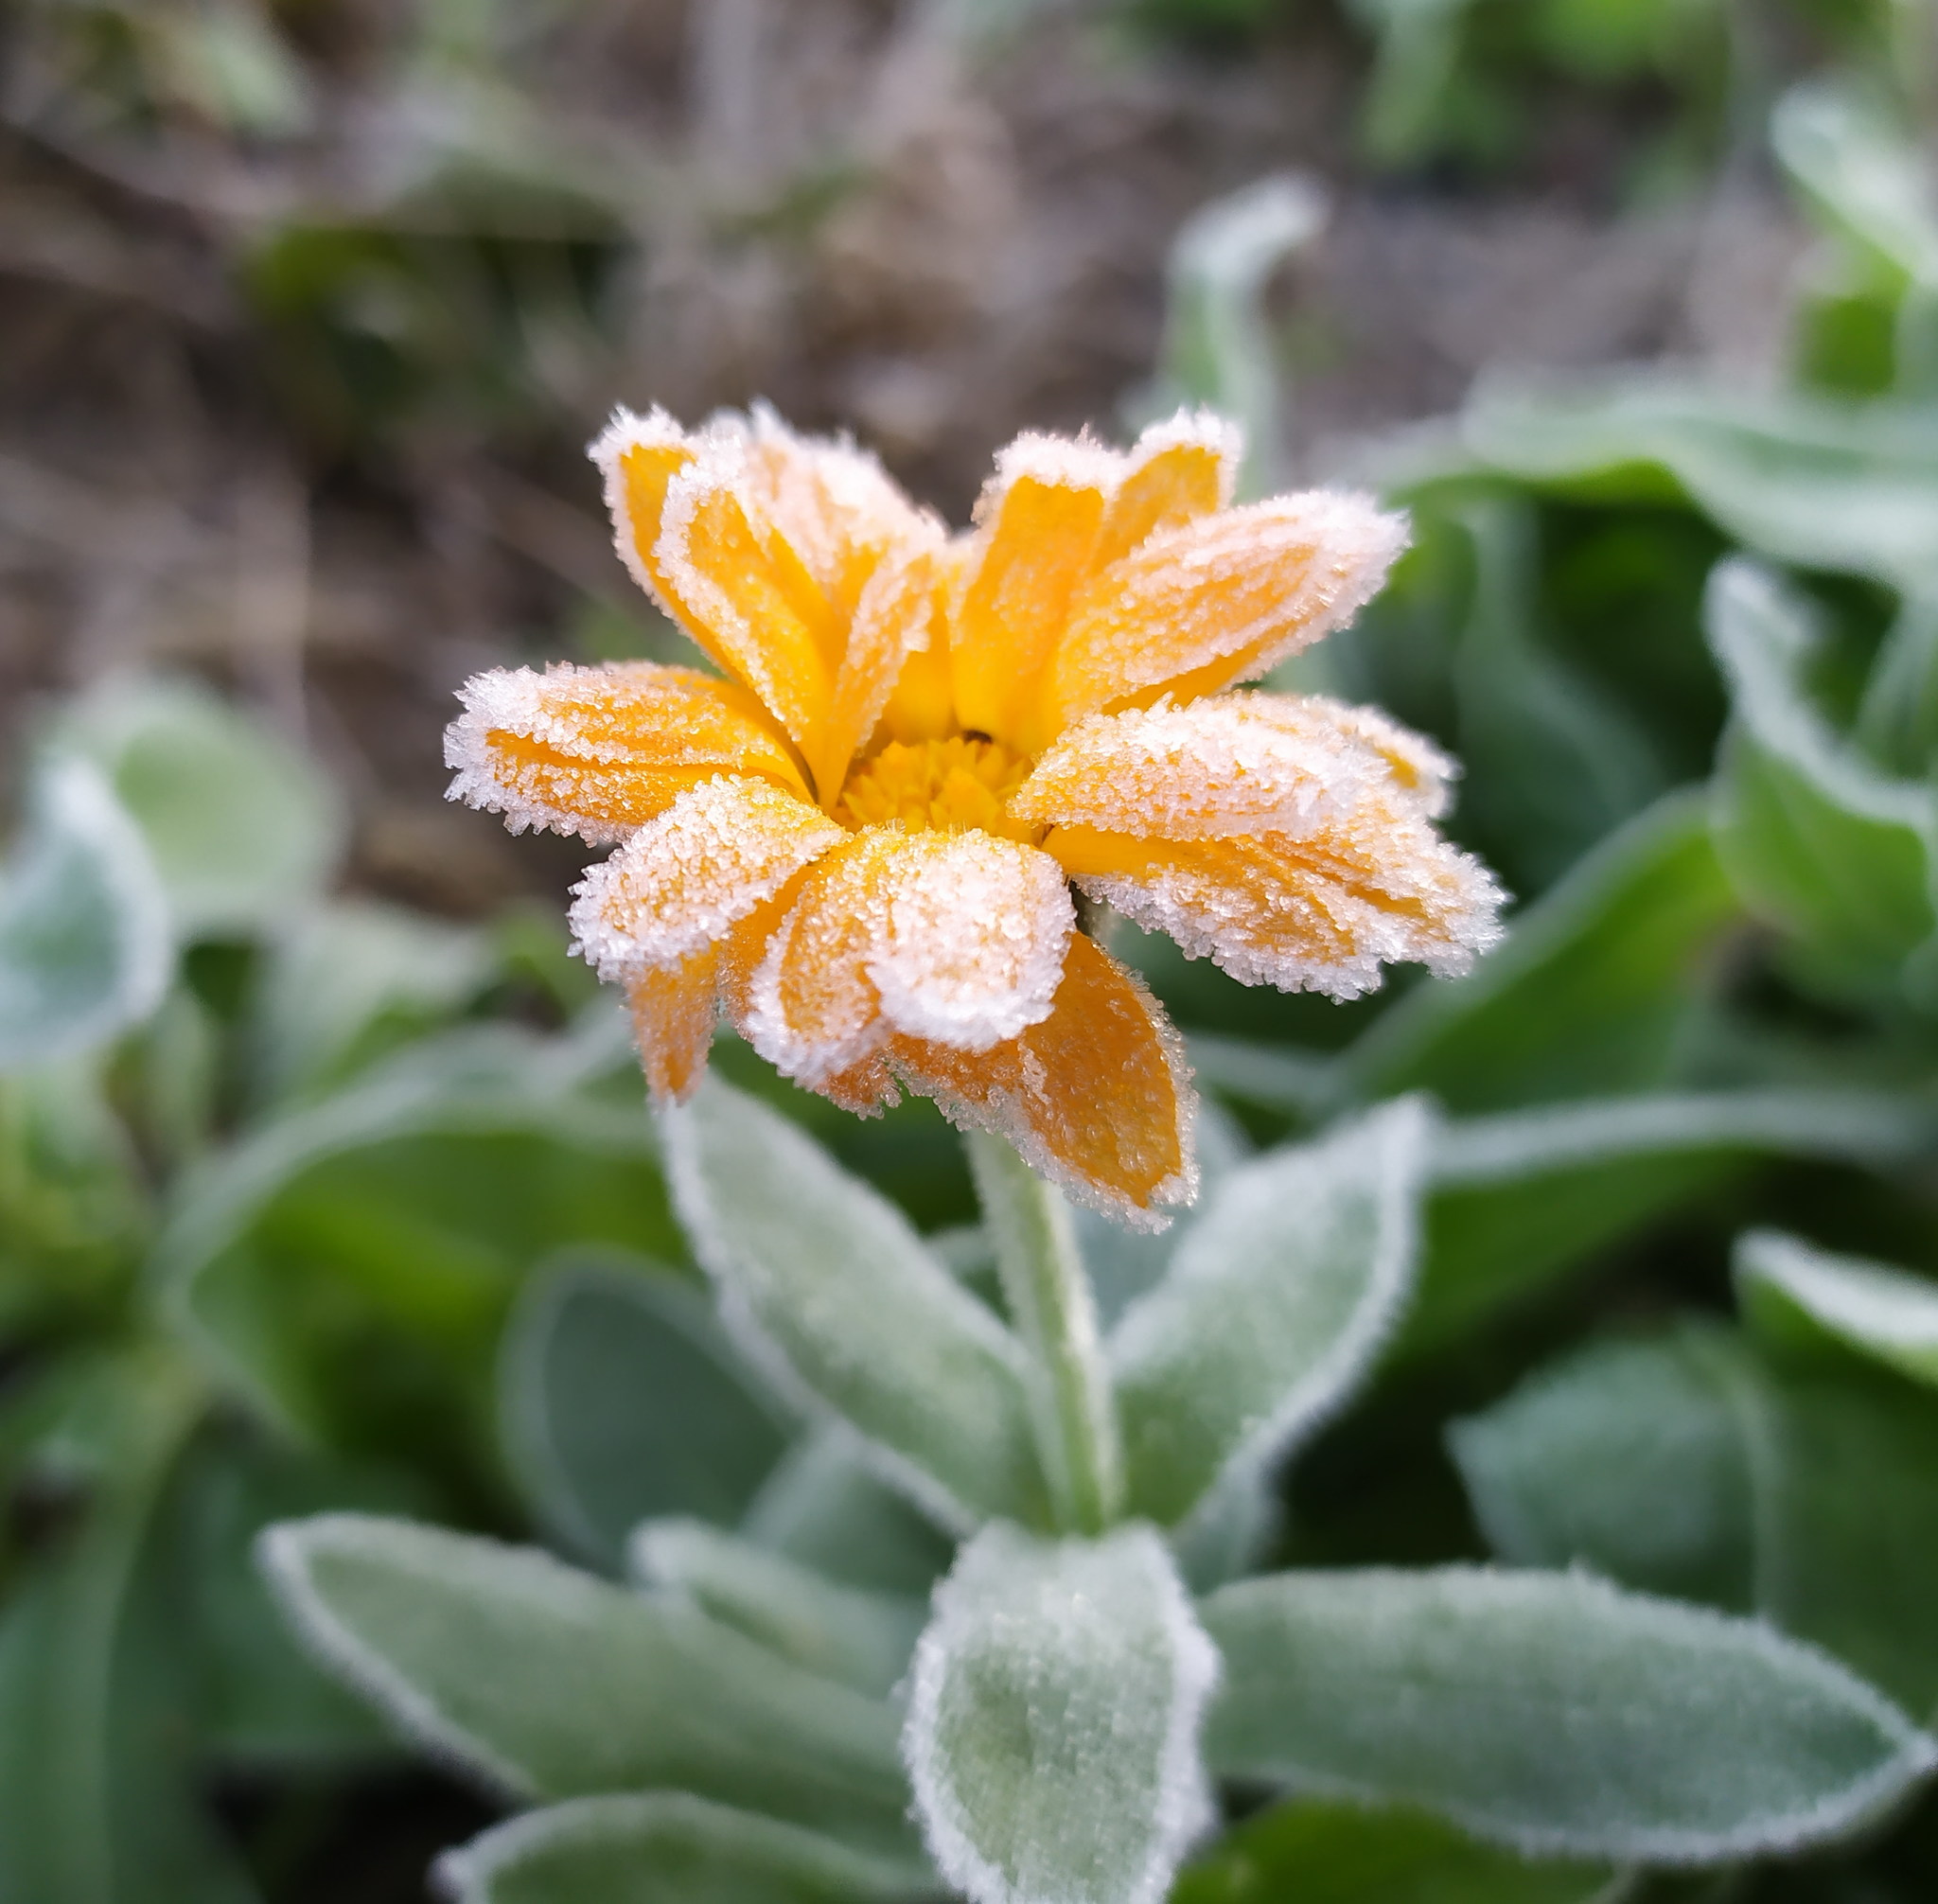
pixel 956 936
pixel 1038 524
pixel 672 1012
pixel 1371 885
pixel 637 458
pixel 599 751
pixel 719 851
pixel 1192 610
pixel 1097 1096
pixel 743 590
pixel 897 617
pixel 1178 471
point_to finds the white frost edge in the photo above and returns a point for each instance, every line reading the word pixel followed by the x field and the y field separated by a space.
pixel 1185 1807
pixel 1402 1131
pixel 466 1873
pixel 282 1557
pixel 1915 1753
pixel 1869 1304
pixel 930 1496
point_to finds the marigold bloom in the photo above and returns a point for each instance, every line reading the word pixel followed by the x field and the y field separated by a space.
pixel 860 840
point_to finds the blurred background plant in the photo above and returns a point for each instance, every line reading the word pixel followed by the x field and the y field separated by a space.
pixel 322 1176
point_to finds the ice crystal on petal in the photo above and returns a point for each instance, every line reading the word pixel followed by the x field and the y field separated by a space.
pixel 1239 764
pixel 718 852
pixel 976 933
pixel 1224 597
pixel 599 750
pixel 1324 913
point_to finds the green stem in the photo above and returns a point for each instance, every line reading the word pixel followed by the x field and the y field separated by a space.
pixel 1052 1310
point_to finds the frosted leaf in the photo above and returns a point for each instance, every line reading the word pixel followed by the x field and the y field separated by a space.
pixel 1222 598
pixel 955 937
pixel 719 851
pixel 1322 913
pixel 597 751
pixel 1053 1734
pixel 1236 764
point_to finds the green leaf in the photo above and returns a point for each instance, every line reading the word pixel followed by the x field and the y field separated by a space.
pixel 1858 167
pixel 1321 1853
pixel 1794 1293
pixel 1218 350
pixel 1519 1198
pixel 1053 1734
pixel 1552 1712
pixel 1590 992
pixel 1811 482
pixel 825 1508
pixel 98 1699
pixel 1281 1295
pixel 349 1265
pixel 1818 842
pixel 620 1400
pixel 824 1283
pixel 1806 1493
pixel 1554 763
pixel 352 978
pixel 550 1683
pixel 1631 1458
pixel 861 1638
pixel 244 828
pixel 83 930
pixel 655 1846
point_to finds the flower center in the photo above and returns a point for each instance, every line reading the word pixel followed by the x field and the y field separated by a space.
pixel 953 785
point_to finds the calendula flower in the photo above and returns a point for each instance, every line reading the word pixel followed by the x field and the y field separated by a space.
pixel 860 838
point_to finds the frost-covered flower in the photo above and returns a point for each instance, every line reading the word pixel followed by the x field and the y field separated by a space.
pixel 861 841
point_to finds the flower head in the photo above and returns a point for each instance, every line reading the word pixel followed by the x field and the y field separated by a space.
pixel 859 839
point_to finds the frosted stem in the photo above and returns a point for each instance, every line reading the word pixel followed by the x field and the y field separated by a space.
pixel 1052 1310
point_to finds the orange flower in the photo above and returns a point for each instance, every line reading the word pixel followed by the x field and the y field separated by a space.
pixel 860 840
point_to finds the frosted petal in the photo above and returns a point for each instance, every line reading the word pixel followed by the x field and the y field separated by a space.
pixel 672 1012
pixel 1324 912
pixel 1221 599
pixel 1097 1097
pixel 956 938
pixel 598 752
pixel 1178 471
pixel 896 617
pixel 975 932
pixel 1233 765
pixel 1037 525
pixel 682 880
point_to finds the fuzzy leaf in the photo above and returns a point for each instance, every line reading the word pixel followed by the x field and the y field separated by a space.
pixel 1280 1294
pixel 1052 1733
pixel 244 828
pixel 1590 991
pixel 1521 1197
pixel 847 1633
pixel 1792 1293
pixel 1806 1492
pixel 824 1283
pixel 655 1847
pixel 551 1684
pixel 825 1508
pixel 84 949
pixel 620 1400
pixel 1552 1712
pixel 1819 843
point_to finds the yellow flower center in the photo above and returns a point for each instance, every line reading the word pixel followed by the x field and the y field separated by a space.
pixel 953 785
